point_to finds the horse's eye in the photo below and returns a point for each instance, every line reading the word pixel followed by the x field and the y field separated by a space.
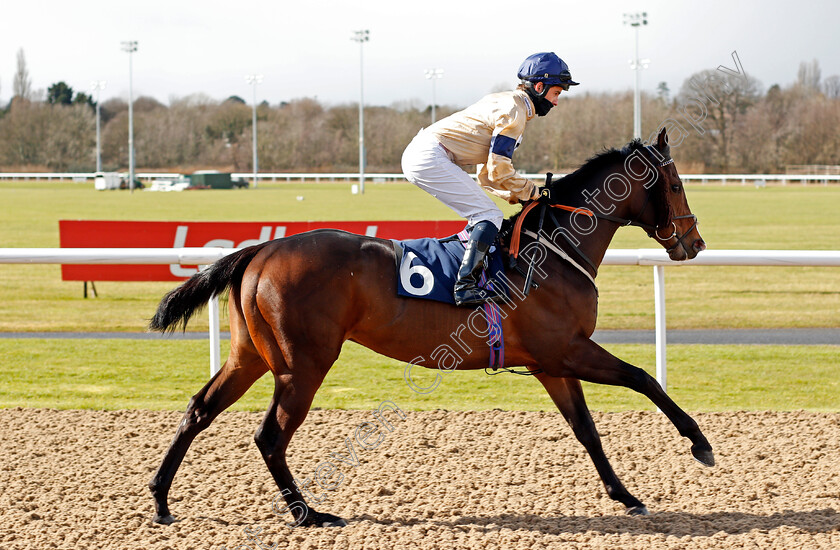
pixel 675 188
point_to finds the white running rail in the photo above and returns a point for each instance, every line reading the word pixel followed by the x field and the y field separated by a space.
pixel 643 256
pixel 759 180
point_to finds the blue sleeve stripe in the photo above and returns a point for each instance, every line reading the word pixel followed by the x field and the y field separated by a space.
pixel 502 145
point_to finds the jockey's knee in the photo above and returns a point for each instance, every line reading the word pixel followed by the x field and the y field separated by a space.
pixel 494 217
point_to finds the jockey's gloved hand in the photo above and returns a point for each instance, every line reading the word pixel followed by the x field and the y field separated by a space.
pixel 535 194
pixel 545 191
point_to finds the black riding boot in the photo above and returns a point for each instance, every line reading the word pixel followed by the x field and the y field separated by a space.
pixel 467 292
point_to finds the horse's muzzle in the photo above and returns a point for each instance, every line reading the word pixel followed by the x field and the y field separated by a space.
pixel 681 252
pixel 678 253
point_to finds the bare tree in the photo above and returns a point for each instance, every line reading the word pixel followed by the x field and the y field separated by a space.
pixel 831 87
pixel 70 145
pixel 814 136
pixel 766 128
pixel 663 92
pixel 145 104
pixel 809 74
pixel 115 141
pixel 730 123
pixel 22 131
pixel 53 136
pixel 22 85
pixel 713 103
pixel 228 121
pixel 111 108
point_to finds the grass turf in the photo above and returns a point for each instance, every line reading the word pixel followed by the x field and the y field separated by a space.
pixel 33 298
pixel 121 374
pixel 163 374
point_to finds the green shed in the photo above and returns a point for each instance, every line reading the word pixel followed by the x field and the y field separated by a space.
pixel 211 179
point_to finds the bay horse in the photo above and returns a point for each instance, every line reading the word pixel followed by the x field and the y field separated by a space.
pixel 293 302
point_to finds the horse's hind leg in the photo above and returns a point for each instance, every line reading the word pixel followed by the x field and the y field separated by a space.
pixel 224 389
pixel 567 394
pixel 243 367
pixel 293 394
pixel 589 361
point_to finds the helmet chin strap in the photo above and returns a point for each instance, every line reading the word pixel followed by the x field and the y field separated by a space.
pixel 541 104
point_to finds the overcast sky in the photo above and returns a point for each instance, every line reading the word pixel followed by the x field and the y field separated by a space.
pixel 303 48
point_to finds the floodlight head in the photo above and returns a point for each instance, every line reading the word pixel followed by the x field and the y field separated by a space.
pixel 635 19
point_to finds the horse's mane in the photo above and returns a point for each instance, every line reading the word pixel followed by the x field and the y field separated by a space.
pixel 567 189
pixel 596 163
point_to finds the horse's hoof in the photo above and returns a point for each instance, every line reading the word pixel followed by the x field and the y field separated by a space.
pixel 319 519
pixel 168 519
pixel 704 456
pixel 336 522
pixel 638 511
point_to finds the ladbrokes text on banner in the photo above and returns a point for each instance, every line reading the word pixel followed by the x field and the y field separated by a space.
pixel 137 234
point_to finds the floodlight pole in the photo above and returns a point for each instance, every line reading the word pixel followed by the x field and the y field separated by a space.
pixel 96 86
pixel 130 47
pixel 361 37
pixel 636 20
pixel 433 75
pixel 254 79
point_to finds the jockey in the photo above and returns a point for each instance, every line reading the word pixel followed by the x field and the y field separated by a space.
pixel 485 134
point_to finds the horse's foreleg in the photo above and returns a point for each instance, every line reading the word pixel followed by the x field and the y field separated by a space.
pixel 218 394
pixel 293 396
pixel 567 394
pixel 589 361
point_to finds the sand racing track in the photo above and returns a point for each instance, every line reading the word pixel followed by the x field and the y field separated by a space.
pixel 472 480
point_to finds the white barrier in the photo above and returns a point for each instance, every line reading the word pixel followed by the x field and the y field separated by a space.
pixel 185 256
pixel 759 180
pixel 644 256
pixel 78 177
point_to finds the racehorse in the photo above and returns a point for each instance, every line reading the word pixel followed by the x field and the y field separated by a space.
pixel 293 302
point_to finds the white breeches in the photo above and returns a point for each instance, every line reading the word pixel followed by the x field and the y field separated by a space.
pixel 430 167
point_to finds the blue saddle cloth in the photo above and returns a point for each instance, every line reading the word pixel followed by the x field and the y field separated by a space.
pixel 427 268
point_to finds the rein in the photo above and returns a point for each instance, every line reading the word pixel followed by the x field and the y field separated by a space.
pixel 518 231
pixel 651 230
pixel 517 227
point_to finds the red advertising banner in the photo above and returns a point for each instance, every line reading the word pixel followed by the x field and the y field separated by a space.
pixel 131 234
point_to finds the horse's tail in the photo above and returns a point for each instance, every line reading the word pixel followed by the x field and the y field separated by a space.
pixel 181 303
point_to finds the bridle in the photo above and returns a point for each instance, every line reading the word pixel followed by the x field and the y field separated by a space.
pixel 545 207
pixel 653 230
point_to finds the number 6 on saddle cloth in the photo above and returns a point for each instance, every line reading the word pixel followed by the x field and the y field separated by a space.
pixel 427 269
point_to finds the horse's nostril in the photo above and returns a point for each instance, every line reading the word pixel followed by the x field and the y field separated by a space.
pixel 699 245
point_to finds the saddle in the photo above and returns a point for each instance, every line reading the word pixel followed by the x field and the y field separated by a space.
pixel 427 269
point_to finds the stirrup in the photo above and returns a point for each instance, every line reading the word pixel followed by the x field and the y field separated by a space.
pixel 476 296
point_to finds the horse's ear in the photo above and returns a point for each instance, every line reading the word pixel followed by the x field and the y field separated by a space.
pixel 662 140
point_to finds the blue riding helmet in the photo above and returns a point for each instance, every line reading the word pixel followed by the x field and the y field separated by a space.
pixel 546 67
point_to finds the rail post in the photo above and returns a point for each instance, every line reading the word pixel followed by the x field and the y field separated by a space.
pixel 215 336
pixel 659 308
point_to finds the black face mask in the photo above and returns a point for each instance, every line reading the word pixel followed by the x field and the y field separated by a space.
pixel 541 104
